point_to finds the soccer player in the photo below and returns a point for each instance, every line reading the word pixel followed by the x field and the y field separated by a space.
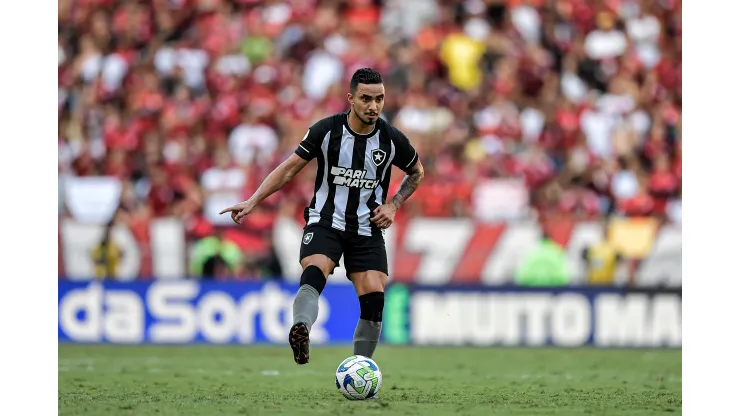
pixel 349 211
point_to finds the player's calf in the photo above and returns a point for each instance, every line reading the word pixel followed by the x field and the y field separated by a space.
pixel 305 311
pixel 306 302
pixel 367 332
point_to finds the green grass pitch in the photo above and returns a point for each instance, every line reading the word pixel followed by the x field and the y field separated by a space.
pixel 250 380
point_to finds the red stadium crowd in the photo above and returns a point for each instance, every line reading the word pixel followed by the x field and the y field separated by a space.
pixel 190 103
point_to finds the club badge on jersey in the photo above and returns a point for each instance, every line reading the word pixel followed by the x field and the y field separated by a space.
pixel 379 156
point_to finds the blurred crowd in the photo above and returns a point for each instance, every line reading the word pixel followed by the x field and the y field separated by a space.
pixel 190 103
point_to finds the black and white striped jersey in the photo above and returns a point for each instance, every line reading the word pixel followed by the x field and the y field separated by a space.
pixel 354 171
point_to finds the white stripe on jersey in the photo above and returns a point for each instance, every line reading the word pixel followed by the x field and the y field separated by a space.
pixel 342 192
pixel 412 160
pixel 315 214
pixel 363 212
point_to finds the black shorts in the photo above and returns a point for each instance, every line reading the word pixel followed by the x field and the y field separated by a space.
pixel 361 253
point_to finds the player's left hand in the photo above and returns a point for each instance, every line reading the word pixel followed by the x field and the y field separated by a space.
pixel 383 215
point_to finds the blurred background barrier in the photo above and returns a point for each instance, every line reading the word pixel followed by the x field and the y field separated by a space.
pixel 185 312
pixel 637 252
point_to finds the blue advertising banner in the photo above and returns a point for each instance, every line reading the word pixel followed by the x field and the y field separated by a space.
pixel 185 311
pixel 516 316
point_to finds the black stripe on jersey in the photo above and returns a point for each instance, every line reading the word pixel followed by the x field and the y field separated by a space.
pixel 353 199
pixel 385 144
pixel 372 203
pixel 386 184
pixel 332 158
pixel 319 178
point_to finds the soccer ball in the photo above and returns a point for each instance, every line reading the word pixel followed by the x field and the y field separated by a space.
pixel 358 378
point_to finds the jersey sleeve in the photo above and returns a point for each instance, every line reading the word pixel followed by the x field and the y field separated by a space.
pixel 310 146
pixel 406 156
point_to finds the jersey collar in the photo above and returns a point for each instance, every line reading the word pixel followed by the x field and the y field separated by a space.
pixel 358 135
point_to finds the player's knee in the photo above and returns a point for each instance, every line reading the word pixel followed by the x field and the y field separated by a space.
pixel 369 282
pixel 371 306
pixel 314 277
pixel 324 263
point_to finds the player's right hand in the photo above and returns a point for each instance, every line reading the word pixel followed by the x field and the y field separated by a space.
pixel 238 211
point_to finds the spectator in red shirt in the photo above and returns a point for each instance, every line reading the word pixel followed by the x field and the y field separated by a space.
pixel 161 195
pixel 180 113
pixel 663 183
pixel 640 205
pixel 579 202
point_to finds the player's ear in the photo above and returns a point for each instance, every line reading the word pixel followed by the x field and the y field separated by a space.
pixel 349 97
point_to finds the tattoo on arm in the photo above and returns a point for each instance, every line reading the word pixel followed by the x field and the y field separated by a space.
pixel 409 185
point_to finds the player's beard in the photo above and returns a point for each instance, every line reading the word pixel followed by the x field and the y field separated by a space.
pixel 367 122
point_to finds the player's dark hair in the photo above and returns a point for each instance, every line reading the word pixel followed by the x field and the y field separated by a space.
pixel 364 76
